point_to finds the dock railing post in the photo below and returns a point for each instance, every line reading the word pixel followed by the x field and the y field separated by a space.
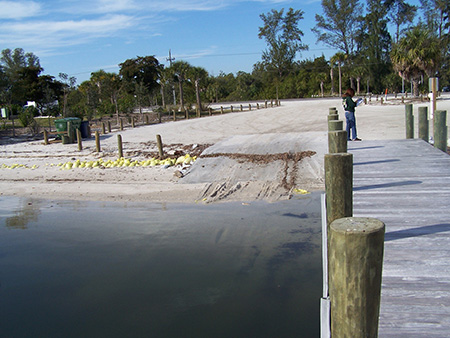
pixel 335 125
pixel 409 120
pixel 423 124
pixel 339 185
pixel 440 130
pixel 337 141
pixel 355 269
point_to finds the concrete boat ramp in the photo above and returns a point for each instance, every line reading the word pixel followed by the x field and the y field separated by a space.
pixel 406 184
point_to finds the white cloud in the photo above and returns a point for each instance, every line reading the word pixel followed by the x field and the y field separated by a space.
pixel 62 33
pixel 19 9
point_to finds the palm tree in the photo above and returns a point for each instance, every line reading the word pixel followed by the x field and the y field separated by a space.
pixel 196 75
pixel 180 70
pixel 418 53
pixel 339 58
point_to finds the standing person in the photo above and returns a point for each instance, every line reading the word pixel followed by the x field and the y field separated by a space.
pixel 349 107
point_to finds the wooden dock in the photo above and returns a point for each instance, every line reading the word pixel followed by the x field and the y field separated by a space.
pixel 406 184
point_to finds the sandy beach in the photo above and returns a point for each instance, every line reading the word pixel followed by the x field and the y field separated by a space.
pixel 267 154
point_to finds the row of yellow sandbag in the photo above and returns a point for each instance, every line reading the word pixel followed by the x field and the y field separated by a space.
pixel 126 162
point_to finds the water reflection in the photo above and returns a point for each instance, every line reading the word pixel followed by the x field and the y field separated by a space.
pixel 24 214
pixel 101 269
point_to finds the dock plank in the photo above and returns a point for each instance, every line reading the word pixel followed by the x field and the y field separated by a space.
pixel 406 184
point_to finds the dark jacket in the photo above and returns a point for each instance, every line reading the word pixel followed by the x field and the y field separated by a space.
pixel 349 104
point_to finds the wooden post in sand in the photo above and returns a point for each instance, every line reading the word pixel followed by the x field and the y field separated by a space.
pixel 121 124
pixel 70 131
pixel 332 111
pixel 119 145
pixel 103 128
pixel 45 137
pixel 221 109
pixel 109 127
pixel 132 122
pixel 231 108
pixel 80 145
pixel 355 257
pixel 160 146
pixel 97 141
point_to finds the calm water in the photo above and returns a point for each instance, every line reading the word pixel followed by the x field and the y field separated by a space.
pixel 91 269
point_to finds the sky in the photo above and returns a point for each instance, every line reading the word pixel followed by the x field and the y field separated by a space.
pixel 78 37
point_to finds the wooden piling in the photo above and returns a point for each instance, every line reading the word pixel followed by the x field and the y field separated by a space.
pixel 409 120
pixel 265 104
pixel 337 141
pixel 242 108
pixel 120 145
pixel 79 141
pixel 440 130
pixel 332 111
pixel 249 107
pixel 121 124
pixel 221 109
pixel 103 128
pixel 339 185
pixel 160 146
pixel 97 141
pixel 45 137
pixel 335 125
pixel 423 124
pixel 174 115
pixel 109 126
pixel 333 117
pixel 355 256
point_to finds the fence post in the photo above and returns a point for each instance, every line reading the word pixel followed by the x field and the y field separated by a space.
pixel 109 126
pixel 423 124
pixel 70 132
pixel 120 145
pixel 440 130
pixel 121 124
pixel 355 269
pixel 103 128
pixel 409 118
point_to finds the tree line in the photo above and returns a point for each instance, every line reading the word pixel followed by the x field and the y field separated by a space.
pixel 369 58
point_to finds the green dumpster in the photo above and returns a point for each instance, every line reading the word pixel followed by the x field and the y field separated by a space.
pixel 61 125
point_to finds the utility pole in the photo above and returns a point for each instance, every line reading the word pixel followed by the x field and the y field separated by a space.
pixel 170 59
